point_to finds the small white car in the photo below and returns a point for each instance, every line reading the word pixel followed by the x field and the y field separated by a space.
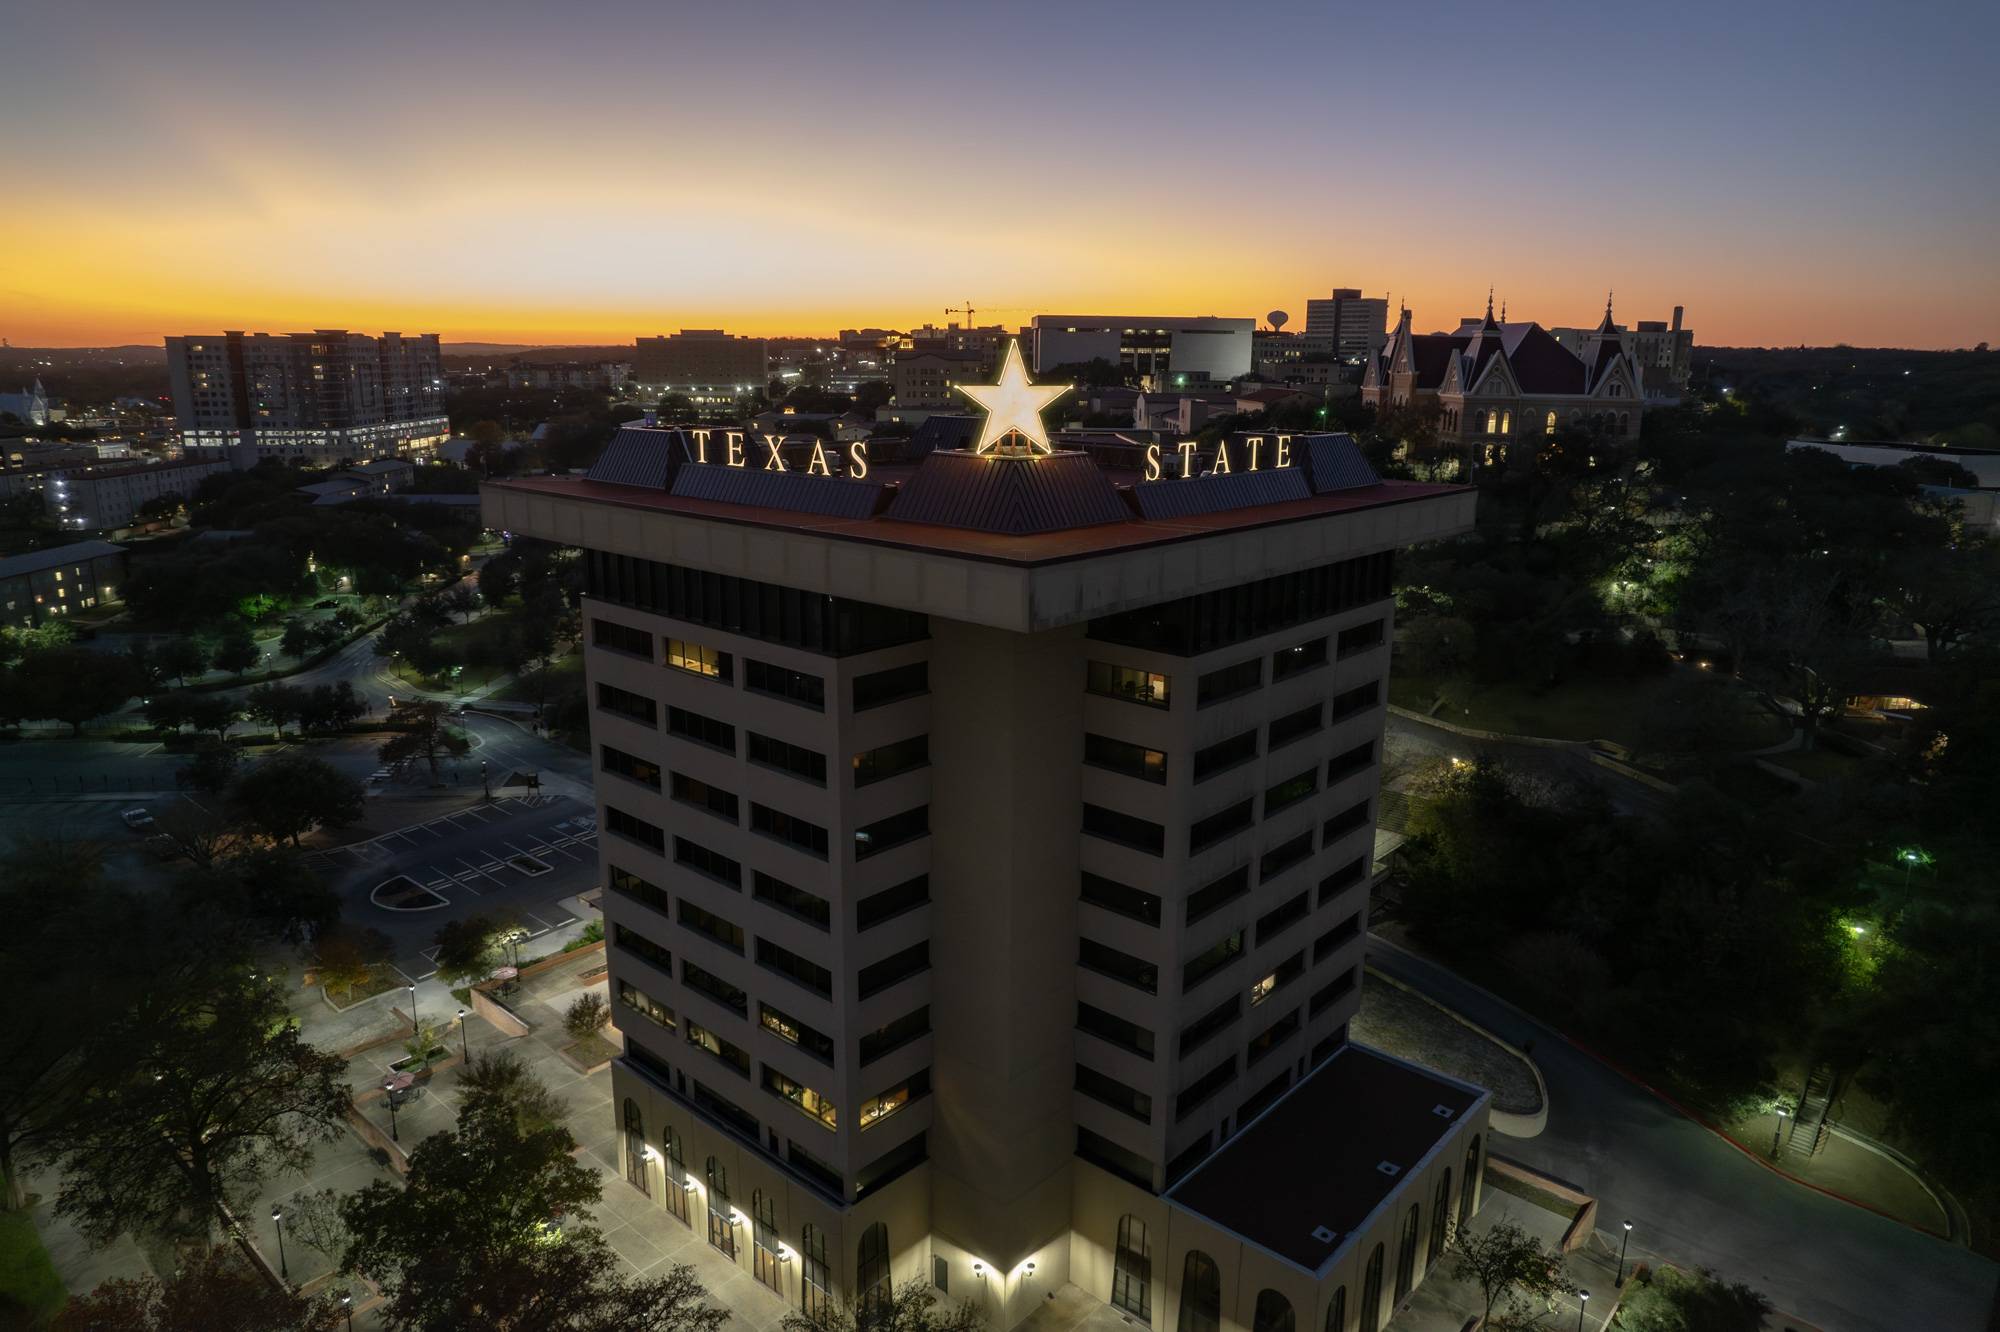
pixel 138 820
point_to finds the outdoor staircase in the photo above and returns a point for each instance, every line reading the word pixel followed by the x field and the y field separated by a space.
pixel 1808 1130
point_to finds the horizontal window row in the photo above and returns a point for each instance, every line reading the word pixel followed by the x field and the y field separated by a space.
pixel 1198 1092
pixel 701 729
pixel 898 682
pixel 1115 1030
pixel 624 703
pixel 1119 898
pixel 808 691
pixel 1122 756
pixel 699 659
pixel 621 638
pixel 1128 683
pixel 709 799
pixel 892 760
pixel 805 764
pixel 812 622
pixel 1110 1091
pixel 1210 621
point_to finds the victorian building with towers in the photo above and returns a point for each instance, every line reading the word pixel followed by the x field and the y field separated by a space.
pixel 987 831
pixel 1493 381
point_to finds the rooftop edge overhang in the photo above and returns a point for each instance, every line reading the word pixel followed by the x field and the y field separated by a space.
pixel 1023 585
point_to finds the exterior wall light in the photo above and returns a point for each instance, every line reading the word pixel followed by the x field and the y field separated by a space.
pixel 979 1270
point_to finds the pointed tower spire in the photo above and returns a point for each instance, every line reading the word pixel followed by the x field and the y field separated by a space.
pixel 1503 309
pixel 1607 326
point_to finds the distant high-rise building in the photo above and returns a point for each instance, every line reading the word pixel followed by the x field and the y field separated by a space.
pixel 322 397
pixel 705 365
pixel 1358 325
pixel 1165 351
pixel 1664 353
pixel 987 840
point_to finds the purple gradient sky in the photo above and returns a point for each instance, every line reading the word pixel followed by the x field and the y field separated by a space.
pixel 590 171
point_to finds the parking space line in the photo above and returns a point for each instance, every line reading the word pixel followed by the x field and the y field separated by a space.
pixel 476 869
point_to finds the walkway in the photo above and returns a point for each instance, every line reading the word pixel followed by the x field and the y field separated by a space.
pixel 1698 1201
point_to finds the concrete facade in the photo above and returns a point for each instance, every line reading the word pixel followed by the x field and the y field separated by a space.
pixel 991 920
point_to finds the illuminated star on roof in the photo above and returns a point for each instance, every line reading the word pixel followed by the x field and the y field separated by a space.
pixel 1013 406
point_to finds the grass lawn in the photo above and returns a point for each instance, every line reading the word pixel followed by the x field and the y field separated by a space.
pixel 27 1277
pixel 565 676
pixel 1580 708
pixel 1820 765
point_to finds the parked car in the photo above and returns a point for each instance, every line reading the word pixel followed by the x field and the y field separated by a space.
pixel 138 819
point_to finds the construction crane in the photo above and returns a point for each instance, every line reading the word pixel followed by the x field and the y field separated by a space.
pixel 969 311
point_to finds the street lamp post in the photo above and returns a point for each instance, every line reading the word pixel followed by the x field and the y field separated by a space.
pixel 389 1089
pixel 464 1040
pixel 484 780
pixel 1582 1303
pixel 278 1224
pixel 347 1307
pixel 1777 1131
pixel 1621 1253
pixel 414 1028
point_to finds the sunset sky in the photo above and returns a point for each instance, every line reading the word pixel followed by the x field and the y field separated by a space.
pixel 588 171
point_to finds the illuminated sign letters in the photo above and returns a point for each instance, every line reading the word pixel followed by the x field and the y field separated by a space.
pixel 1259 451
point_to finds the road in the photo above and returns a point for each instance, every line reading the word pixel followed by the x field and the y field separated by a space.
pixel 1409 742
pixel 1696 1200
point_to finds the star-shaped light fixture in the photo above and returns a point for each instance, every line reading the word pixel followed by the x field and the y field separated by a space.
pixel 1014 406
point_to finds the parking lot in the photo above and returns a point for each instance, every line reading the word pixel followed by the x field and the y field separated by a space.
pixel 520 854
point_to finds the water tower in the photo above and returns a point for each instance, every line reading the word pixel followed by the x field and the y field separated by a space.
pixel 1276 319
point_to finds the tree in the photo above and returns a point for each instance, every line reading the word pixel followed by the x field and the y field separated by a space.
pixel 313 1218
pixel 203 835
pixel 298 641
pixel 913 1307
pixel 1950 595
pixel 1512 1269
pixel 276 704
pixel 166 711
pixel 236 652
pixel 348 957
pixel 574 1287
pixel 468 948
pixel 461 600
pixel 587 1016
pixel 266 894
pixel 427 736
pixel 292 794
pixel 216 1291
pixel 75 684
pixel 1669 1300
pixel 55 894
pixel 501 1084
pixel 203 1090
pixel 478 1200
pixel 331 707
pixel 214 713
pixel 211 769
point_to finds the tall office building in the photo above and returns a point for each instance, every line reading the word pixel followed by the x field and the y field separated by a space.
pixel 712 369
pixel 322 397
pixel 1358 325
pixel 988 839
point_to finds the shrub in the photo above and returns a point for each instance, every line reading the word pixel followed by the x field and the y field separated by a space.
pixel 587 1016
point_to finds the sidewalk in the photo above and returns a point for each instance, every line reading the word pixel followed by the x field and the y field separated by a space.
pixel 1444 1301
pixel 1851 1170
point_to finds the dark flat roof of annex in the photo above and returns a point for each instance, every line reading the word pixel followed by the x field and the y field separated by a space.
pixel 1310 1163
pixel 1035 549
